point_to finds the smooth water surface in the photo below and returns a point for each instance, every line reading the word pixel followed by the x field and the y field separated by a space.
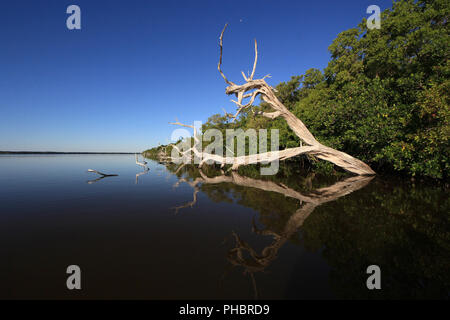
pixel 188 234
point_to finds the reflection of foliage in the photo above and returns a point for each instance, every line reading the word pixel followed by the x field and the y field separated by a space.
pixel 405 229
pixel 274 208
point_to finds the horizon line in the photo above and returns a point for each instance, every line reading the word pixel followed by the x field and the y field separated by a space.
pixel 65 152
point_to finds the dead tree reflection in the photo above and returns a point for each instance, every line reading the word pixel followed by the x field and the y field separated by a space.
pixel 146 170
pixel 243 255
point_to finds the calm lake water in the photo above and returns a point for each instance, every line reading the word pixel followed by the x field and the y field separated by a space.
pixel 187 234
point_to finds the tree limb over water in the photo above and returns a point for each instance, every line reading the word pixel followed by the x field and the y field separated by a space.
pixel 251 89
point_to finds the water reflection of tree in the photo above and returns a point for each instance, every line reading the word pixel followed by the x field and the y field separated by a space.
pixel 403 229
pixel 243 254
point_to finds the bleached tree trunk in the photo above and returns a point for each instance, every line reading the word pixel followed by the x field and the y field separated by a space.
pixel 251 89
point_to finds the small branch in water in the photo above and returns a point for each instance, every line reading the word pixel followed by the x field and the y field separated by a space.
pixel 102 174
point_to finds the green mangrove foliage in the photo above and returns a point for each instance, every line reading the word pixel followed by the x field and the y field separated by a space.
pixel 383 98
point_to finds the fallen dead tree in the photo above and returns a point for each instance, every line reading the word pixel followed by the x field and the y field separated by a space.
pixel 251 89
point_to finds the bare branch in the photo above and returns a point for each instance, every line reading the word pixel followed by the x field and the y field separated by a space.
pixel 220 58
pixel 270 115
pixel 245 77
pixel 102 174
pixel 241 96
pixel 196 141
pixel 177 123
pixel 256 60
pixel 228 115
pixel 251 89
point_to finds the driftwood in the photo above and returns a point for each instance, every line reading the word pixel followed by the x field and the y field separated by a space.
pixel 251 89
pixel 102 174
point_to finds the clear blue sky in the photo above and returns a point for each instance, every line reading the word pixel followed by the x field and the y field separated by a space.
pixel 136 65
